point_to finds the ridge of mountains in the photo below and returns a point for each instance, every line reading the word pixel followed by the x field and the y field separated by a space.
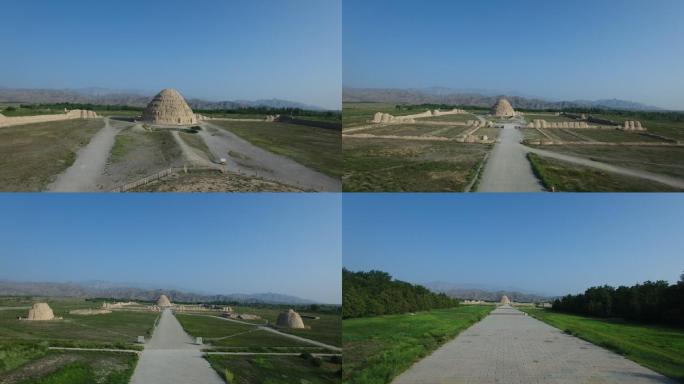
pixel 125 292
pixel 133 98
pixel 475 292
pixel 478 98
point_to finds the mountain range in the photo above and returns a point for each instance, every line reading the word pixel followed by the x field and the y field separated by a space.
pixel 133 98
pixel 476 292
pixel 478 98
pixel 123 292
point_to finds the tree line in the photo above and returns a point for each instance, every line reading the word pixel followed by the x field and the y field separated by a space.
pixel 650 302
pixel 375 293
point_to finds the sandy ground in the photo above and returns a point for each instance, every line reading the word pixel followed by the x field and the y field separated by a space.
pixel 171 357
pixel 507 168
pixel 90 163
pixel 509 347
pixel 246 158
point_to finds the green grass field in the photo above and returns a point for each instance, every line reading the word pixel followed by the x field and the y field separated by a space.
pixel 72 367
pixel 326 329
pixel 32 155
pixel 354 114
pixel 276 369
pixel 451 118
pixel 16 110
pixel 568 177
pixel 223 333
pixel 658 348
pixel 671 129
pixel 195 141
pixel 416 130
pixel 377 349
pixel 118 329
pixel 614 136
pixel 317 148
pixel 387 165
pixel 656 159
pixel 550 117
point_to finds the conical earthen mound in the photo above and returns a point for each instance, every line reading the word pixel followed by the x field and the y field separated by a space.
pixel 164 301
pixel 169 108
pixel 504 300
pixel 290 319
pixel 40 311
pixel 503 108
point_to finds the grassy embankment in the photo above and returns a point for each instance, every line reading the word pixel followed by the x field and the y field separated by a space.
pixel 658 348
pixel 277 369
pixel 377 349
pixel 317 148
pixel 568 177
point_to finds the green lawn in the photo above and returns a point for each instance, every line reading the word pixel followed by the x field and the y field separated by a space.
pixel 72 367
pixel 276 369
pixel 615 136
pixel 671 129
pixel 19 111
pixel 390 165
pixel 665 160
pixel 224 333
pixel 568 177
pixel 354 114
pixel 416 130
pixel 317 148
pixel 32 155
pixel 658 348
pixel 377 349
pixel 118 329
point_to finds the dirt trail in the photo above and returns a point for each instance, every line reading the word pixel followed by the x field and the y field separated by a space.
pixel 246 158
pixel 171 357
pixel 663 179
pixel 510 347
pixel 90 162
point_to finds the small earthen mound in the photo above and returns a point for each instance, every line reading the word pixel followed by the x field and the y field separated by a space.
pixel 503 108
pixel 290 319
pixel 40 312
pixel 504 300
pixel 164 301
pixel 169 108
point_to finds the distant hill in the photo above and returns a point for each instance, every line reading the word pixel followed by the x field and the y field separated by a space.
pixel 133 98
pixel 463 292
pixel 116 291
pixel 477 99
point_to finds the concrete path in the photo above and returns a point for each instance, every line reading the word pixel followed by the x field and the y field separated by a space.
pixel 171 357
pixel 90 162
pixel 246 158
pixel 507 168
pixel 664 179
pixel 509 347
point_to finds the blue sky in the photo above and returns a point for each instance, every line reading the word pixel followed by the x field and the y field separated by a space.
pixel 213 243
pixel 560 50
pixel 548 244
pixel 212 49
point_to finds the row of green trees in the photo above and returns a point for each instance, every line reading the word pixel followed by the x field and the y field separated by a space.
pixel 650 302
pixel 375 293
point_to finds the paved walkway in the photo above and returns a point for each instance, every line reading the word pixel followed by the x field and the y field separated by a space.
pixel 171 357
pixel 90 162
pixel 507 168
pixel 243 156
pixel 509 347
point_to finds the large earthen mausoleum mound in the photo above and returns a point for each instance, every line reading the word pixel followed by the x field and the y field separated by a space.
pixel 164 301
pixel 503 108
pixel 40 311
pixel 169 108
pixel 290 319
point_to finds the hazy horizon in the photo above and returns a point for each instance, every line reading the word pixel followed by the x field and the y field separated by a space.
pixel 222 243
pixel 536 243
pixel 212 49
pixel 580 50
